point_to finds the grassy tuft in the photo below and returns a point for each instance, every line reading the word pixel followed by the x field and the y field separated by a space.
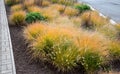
pixel 10 2
pixel 71 11
pixel 17 18
pixel 17 7
pixel 56 47
pixel 32 31
pixel 51 15
pixel 114 49
pixel 45 3
pixel 28 3
pixel 89 19
pixel 34 9
pixel 58 7
pixel 93 51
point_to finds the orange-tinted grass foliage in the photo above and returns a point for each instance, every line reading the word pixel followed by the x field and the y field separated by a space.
pixel 17 18
pixel 70 11
pixel 49 13
pixel 45 3
pixel 34 9
pixel 58 7
pixel 28 3
pixel 17 7
pixel 32 31
pixel 114 50
pixel 94 18
pixel 77 21
pixel 94 42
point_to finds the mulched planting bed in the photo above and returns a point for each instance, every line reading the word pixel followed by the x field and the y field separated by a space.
pixel 23 63
pixel 72 41
pixel 22 59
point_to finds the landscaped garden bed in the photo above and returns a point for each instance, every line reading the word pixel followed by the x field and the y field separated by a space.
pixel 61 37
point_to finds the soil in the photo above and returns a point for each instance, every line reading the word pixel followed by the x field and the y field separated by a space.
pixel 22 58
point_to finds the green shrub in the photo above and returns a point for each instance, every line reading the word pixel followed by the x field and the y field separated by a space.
pixel 82 7
pixel 33 17
pixel 11 2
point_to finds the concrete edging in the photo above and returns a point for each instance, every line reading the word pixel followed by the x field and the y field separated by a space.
pixel 10 43
pixel 7 61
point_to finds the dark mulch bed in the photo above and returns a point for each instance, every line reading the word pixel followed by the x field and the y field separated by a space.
pixel 22 59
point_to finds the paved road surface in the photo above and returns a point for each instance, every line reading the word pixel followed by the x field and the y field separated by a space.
pixel 110 8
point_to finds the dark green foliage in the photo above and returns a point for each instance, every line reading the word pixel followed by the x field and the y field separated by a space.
pixel 11 2
pixel 54 1
pixel 82 8
pixel 66 2
pixel 33 17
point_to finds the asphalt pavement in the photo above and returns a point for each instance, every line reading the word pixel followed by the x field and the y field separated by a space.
pixel 110 8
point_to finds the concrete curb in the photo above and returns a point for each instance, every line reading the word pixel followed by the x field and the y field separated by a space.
pixel 111 20
pixel 7 61
pixel 10 43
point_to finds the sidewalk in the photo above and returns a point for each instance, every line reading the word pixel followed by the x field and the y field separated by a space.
pixel 7 65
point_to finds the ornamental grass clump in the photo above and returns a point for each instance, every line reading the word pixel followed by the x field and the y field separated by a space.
pixel 77 21
pixel 11 2
pixel 93 51
pixel 45 3
pixel 66 55
pixel 109 31
pixel 117 27
pixel 89 19
pixel 65 48
pixel 50 15
pixel 34 9
pixel 17 7
pixel 66 2
pixel 91 61
pixel 92 41
pixel 58 7
pixel 28 3
pixel 32 31
pixel 114 50
pixel 17 18
pixel 56 47
pixel 54 1
pixel 70 11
